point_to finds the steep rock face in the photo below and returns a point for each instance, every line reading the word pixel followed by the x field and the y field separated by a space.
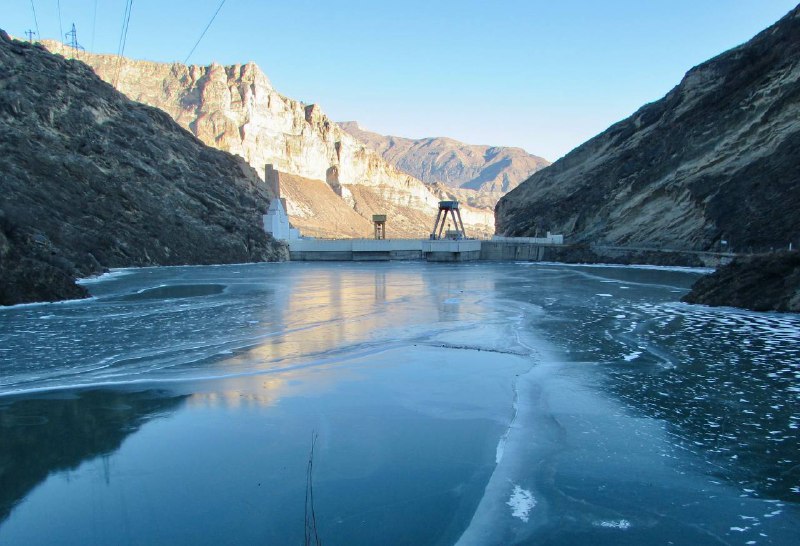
pixel 717 159
pixel 487 169
pixel 236 109
pixel 769 282
pixel 90 179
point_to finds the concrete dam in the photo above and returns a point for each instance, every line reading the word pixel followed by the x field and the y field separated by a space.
pixel 432 250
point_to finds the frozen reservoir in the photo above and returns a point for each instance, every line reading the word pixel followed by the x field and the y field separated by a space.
pixel 465 404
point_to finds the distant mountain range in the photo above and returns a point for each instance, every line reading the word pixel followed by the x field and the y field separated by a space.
pixel 492 169
pixel 715 164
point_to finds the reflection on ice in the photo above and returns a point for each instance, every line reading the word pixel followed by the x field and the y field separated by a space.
pixel 67 431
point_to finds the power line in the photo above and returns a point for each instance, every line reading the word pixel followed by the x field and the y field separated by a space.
pixel 127 26
pixel 35 20
pixel 60 28
pixel 123 35
pixel 123 38
pixel 94 24
pixel 204 31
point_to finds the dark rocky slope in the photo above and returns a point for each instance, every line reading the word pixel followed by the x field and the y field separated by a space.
pixel 90 179
pixel 768 282
pixel 717 159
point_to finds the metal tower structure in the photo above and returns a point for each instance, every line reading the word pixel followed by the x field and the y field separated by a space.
pixel 445 208
pixel 72 39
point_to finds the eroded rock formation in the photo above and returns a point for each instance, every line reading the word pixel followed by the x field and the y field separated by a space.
pixel 236 109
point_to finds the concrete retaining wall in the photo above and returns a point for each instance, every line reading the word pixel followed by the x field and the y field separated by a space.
pixel 468 256
pixel 504 251
pixel 321 256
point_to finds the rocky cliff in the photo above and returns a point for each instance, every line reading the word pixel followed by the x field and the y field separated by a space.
pixel 487 169
pixel 236 109
pixel 713 164
pixel 768 282
pixel 90 179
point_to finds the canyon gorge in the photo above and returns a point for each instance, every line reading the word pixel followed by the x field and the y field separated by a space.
pixel 330 175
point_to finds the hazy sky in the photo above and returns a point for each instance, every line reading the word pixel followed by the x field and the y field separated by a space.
pixel 542 75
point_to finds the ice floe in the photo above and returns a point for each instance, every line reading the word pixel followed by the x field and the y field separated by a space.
pixel 521 503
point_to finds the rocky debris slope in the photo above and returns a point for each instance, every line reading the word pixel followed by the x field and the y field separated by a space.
pixel 90 179
pixel 486 169
pixel 236 109
pixel 317 210
pixel 768 282
pixel 714 163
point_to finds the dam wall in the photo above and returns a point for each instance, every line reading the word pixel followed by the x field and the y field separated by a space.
pixel 500 250
pixel 305 250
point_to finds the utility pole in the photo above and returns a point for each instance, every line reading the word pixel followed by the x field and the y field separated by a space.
pixel 29 33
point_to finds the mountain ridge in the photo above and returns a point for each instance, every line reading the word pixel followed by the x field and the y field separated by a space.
pixel 483 168
pixel 712 165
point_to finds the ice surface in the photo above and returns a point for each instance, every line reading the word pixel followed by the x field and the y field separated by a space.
pixel 601 410
pixel 673 268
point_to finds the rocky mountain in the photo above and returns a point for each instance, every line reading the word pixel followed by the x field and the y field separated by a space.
pixel 236 109
pixel 713 164
pixel 488 169
pixel 90 179
pixel 767 282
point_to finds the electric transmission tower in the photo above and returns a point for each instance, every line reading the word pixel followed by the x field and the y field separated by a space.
pixel 30 34
pixel 72 39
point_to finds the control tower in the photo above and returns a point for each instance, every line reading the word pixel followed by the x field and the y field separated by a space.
pixel 379 220
pixel 451 208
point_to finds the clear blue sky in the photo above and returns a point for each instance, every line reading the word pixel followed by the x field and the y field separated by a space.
pixel 544 75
